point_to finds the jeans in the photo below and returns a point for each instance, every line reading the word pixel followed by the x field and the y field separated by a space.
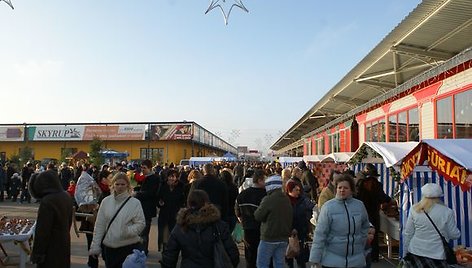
pixel 275 250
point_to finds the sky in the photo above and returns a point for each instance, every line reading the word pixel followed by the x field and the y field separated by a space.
pixel 248 82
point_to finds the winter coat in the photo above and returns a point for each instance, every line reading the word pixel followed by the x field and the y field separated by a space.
pixel 341 234
pixel 194 236
pixel 216 190
pixel 246 204
pixel 326 194
pixel 275 215
pixel 370 191
pixel 147 194
pixel 173 202
pixel 125 228
pixel 420 237
pixel 51 246
pixel 302 211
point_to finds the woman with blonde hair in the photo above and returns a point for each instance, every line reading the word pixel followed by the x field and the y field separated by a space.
pixel 286 174
pixel 422 244
pixel 119 222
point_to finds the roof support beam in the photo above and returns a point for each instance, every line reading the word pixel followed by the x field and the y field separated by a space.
pixel 377 83
pixel 349 101
pixel 414 51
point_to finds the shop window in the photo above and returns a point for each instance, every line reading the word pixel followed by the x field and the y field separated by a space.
pixel 334 145
pixel 413 125
pixel 444 117
pixel 463 115
pixel 375 131
pixel 320 146
pixel 402 127
pixel 392 128
pixel 155 154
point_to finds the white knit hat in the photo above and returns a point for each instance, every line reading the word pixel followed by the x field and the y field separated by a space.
pixel 431 190
pixel 273 182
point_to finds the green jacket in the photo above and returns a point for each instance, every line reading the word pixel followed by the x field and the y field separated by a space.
pixel 275 215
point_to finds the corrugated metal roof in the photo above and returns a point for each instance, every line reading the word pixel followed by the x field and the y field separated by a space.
pixel 434 32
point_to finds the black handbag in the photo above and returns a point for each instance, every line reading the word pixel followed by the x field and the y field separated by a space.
pixel 450 255
pixel 220 256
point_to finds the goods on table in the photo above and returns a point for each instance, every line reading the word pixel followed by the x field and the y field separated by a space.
pixel 464 256
pixel 391 210
pixel 15 226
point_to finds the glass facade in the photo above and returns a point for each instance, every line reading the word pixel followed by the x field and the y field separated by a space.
pixel 454 116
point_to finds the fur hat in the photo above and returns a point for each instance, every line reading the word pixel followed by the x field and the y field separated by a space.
pixel 273 182
pixel 431 190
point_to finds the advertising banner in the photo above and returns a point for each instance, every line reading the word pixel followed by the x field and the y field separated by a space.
pixel 171 132
pixel 115 132
pixel 55 133
pixel 13 133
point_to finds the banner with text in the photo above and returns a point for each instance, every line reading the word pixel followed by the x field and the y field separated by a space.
pixel 55 133
pixel 171 132
pixel 115 132
pixel 12 133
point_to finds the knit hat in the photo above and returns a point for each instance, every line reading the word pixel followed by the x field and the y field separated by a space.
pixel 273 182
pixel 431 190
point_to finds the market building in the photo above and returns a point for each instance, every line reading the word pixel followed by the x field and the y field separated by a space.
pixel 414 86
pixel 161 141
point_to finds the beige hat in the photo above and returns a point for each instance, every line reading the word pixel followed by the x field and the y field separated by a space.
pixel 431 190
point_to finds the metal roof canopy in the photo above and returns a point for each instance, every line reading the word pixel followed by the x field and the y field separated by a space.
pixel 433 33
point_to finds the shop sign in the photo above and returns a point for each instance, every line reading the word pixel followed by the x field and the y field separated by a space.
pixel 13 133
pixel 115 132
pixel 446 167
pixel 51 133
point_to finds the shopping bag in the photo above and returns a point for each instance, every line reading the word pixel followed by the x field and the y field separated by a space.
pixel 293 248
pixel 238 233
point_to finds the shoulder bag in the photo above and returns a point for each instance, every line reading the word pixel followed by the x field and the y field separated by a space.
pixel 220 256
pixel 111 221
pixel 450 255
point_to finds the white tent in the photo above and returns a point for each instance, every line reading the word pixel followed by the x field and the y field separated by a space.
pixel 391 152
pixel 341 157
pixel 285 161
pixel 313 158
pixel 196 161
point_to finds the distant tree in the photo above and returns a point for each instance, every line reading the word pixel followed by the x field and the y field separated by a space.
pixel 66 152
pixel 96 157
pixel 25 154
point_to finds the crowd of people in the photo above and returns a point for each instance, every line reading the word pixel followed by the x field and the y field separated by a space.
pixel 198 206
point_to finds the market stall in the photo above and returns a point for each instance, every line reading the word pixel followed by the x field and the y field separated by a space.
pixel 20 233
pixel 286 161
pixel 386 156
pixel 197 161
pixel 449 164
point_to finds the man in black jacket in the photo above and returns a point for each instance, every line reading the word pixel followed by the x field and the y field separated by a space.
pixel 147 194
pixel 214 187
pixel 246 204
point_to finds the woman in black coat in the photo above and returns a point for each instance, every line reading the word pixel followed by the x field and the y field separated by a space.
pixel 194 235
pixel 171 200
pixel 52 234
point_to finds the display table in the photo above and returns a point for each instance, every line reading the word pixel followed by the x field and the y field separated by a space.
pixel 21 241
pixel 391 228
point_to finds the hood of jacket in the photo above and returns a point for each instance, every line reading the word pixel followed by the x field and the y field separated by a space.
pixel 44 183
pixel 206 215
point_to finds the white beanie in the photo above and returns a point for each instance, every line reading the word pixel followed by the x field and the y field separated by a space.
pixel 431 190
pixel 273 182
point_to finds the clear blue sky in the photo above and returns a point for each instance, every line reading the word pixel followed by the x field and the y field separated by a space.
pixel 165 60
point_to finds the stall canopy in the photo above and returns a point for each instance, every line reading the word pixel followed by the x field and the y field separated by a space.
pixel 341 157
pixel 391 152
pixel 229 157
pixel 285 161
pixel 313 158
pixel 451 158
pixel 113 154
pixel 196 161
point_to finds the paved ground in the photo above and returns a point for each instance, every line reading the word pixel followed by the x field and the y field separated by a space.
pixel 79 244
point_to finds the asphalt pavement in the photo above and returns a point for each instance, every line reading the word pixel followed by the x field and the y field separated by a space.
pixel 79 244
